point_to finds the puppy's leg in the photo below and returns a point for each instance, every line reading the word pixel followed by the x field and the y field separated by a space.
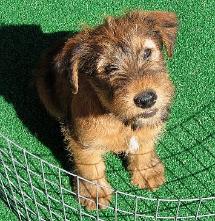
pixel 147 171
pixel 90 165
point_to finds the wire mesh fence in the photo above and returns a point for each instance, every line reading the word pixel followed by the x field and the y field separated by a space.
pixel 35 189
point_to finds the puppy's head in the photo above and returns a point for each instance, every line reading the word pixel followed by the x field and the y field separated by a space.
pixel 123 61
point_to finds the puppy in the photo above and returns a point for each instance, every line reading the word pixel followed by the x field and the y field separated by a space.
pixel 111 88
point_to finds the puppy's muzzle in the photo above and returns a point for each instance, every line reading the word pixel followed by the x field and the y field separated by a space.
pixel 146 99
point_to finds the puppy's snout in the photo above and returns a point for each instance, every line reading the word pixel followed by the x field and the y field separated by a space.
pixel 146 99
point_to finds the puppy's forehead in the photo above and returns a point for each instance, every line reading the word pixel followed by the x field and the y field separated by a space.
pixel 125 52
pixel 132 45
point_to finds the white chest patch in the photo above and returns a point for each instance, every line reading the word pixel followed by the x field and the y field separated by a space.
pixel 133 145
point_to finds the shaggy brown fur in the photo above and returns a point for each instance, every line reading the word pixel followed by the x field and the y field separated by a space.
pixel 91 82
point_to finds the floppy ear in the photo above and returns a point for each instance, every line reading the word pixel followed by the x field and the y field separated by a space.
pixel 67 64
pixel 165 23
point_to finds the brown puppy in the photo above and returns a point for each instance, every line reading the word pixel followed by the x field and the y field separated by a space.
pixel 110 87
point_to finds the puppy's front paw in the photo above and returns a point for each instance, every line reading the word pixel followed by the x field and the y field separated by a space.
pixel 89 193
pixel 149 177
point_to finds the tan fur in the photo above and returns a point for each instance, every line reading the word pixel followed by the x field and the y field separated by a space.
pixel 89 83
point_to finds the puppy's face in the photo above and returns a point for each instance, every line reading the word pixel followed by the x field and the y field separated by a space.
pixel 131 80
pixel 124 63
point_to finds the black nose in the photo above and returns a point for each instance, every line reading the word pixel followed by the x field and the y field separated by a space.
pixel 146 99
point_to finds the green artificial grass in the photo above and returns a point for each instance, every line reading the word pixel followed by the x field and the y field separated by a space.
pixel 188 146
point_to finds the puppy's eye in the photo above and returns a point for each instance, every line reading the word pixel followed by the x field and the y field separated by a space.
pixel 110 68
pixel 147 53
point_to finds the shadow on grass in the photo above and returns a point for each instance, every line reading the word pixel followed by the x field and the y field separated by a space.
pixel 20 48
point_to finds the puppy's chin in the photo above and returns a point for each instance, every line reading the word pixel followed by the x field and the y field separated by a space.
pixel 148 118
pixel 138 123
